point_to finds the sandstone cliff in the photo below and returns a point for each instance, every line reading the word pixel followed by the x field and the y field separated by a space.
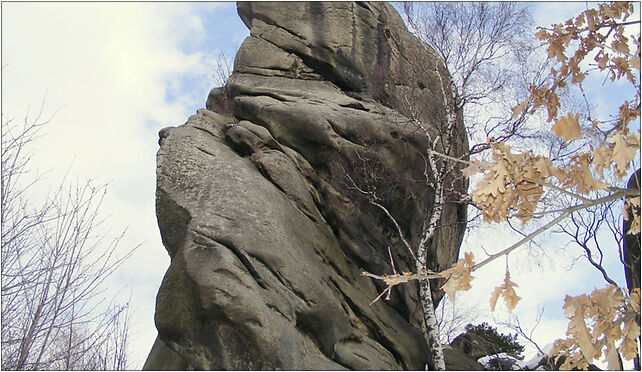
pixel 260 202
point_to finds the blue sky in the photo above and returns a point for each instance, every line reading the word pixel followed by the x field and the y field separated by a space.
pixel 116 73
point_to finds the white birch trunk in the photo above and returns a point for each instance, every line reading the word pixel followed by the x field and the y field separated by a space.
pixel 431 333
pixel 431 328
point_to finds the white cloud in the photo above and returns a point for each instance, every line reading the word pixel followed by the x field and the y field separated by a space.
pixel 549 13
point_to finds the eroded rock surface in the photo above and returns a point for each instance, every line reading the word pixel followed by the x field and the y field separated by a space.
pixel 260 202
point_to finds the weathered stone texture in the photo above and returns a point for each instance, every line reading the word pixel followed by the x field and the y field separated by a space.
pixel 258 206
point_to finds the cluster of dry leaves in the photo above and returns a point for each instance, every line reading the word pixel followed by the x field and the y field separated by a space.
pixel 459 277
pixel 611 315
pixel 511 181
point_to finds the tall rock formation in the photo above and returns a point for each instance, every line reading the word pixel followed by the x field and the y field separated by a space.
pixel 261 204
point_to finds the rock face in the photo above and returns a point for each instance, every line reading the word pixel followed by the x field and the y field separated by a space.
pixel 260 202
pixel 457 360
pixel 474 345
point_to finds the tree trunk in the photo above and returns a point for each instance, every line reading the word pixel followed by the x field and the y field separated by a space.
pixel 432 328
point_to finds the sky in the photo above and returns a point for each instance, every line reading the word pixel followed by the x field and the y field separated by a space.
pixel 114 74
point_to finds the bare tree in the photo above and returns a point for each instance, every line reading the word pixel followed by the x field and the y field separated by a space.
pixel 493 58
pixel 219 97
pixel 514 324
pixel 222 69
pixel 474 40
pixel 55 261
